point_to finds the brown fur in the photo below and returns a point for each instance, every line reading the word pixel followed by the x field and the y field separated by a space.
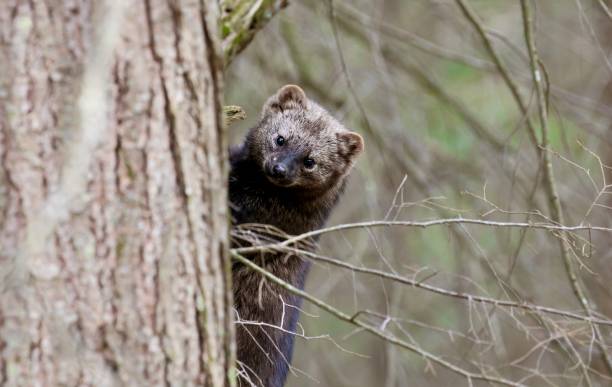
pixel 298 202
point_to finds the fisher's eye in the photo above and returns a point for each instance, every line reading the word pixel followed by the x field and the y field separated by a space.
pixel 309 163
pixel 280 140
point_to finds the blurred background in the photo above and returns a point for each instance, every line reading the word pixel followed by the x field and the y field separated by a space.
pixel 445 138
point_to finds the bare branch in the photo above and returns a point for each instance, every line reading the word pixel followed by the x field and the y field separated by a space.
pixel 371 329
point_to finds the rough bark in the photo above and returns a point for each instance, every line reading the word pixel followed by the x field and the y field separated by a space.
pixel 113 214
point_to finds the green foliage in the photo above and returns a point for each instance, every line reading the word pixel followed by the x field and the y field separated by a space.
pixel 459 72
pixel 447 130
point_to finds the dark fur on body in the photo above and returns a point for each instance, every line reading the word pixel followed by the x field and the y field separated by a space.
pixel 297 202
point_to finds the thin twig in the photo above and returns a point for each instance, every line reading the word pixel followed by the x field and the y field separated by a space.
pixel 605 8
pixel 423 224
pixel 434 289
pixel 371 329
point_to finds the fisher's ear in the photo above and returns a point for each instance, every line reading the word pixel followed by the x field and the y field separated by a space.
pixel 286 98
pixel 350 144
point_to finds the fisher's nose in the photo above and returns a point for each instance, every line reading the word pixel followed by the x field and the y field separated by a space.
pixel 279 170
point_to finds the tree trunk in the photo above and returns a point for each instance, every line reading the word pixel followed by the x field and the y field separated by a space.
pixel 113 214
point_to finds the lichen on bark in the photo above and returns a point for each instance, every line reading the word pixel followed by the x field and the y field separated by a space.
pixel 240 21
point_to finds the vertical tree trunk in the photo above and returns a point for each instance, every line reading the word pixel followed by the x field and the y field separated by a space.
pixel 113 214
